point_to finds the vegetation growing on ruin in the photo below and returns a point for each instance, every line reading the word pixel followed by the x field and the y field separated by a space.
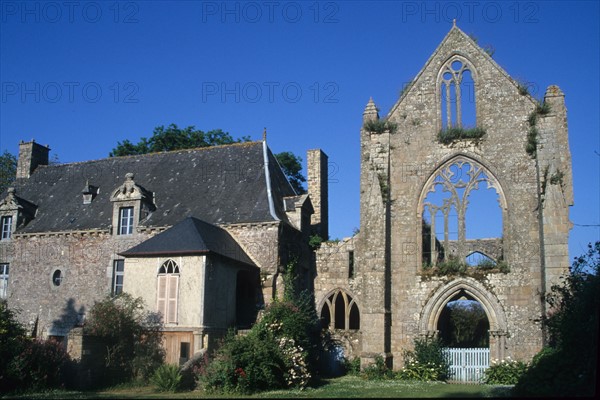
pixel 454 134
pixel 380 126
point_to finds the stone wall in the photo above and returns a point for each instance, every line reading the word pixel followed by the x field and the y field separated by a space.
pixel 399 300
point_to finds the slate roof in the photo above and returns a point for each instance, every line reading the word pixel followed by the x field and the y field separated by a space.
pixel 219 185
pixel 188 237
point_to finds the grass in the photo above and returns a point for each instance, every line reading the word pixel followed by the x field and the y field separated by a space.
pixel 344 387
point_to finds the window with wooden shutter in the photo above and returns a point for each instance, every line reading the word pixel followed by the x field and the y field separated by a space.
pixel 173 287
pixel 161 297
pixel 168 291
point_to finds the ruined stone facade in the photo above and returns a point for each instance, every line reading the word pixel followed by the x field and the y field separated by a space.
pixel 513 146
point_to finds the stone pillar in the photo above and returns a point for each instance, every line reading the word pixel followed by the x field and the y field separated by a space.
pixel 31 155
pixel 317 168
pixel 497 345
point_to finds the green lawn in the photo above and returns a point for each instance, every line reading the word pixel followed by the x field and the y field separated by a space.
pixel 344 387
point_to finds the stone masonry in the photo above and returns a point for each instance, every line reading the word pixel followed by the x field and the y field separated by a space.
pixel 402 161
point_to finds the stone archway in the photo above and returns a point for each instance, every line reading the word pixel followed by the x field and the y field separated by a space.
pixel 475 290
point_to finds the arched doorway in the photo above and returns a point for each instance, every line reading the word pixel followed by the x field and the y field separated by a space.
pixel 467 291
pixel 463 323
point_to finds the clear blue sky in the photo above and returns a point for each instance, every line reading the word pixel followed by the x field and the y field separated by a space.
pixel 81 76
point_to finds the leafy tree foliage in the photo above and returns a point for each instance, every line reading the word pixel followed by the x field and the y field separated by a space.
pixel 464 324
pixel 568 366
pixel 8 170
pixel 174 138
pixel 291 165
pixel 130 336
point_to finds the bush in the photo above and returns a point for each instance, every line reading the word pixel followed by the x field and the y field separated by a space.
pixel 427 362
pixel 278 352
pixel 131 337
pixel 246 364
pixel 568 367
pixel 28 364
pixel 505 372
pixel 352 367
pixel 451 266
pixel 377 370
pixel 166 378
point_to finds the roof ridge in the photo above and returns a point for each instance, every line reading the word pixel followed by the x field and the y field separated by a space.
pixel 191 149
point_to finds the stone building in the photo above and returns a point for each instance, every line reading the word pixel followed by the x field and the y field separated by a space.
pixel 200 234
pixel 462 130
pixel 203 234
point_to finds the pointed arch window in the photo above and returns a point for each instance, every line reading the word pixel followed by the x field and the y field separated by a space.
pixel 448 198
pixel 340 311
pixel 457 94
pixel 168 291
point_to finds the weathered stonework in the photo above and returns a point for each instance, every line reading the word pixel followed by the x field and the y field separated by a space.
pixel 398 300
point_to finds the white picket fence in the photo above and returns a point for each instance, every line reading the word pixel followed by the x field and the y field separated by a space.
pixel 467 365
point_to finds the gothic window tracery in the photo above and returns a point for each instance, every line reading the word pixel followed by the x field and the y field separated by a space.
pixel 445 207
pixel 340 311
pixel 457 93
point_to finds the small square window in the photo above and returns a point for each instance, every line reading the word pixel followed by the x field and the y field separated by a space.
pixel 126 221
pixel 5 227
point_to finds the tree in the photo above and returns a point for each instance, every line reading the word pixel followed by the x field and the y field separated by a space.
pixel 130 336
pixel 464 324
pixel 568 366
pixel 8 170
pixel 291 165
pixel 175 138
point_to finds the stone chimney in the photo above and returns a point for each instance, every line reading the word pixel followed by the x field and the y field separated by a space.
pixel 318 191
pixel 31 154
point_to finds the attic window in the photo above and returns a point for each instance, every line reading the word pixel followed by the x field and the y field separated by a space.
pixel 6 227
pixel 125 220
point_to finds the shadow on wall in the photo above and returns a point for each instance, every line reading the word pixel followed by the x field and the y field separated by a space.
pixel 69 318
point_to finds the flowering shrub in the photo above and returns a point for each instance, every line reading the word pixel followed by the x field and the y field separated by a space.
pixel 276 353
pixel 504 372
pixel 415 371
pixel 245 364
pixel 427 362
pixel 297 373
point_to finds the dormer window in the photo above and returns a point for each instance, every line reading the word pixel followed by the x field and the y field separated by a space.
pixel 125 220
pixel 6 227
pixel 131 204
pixel 15 212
